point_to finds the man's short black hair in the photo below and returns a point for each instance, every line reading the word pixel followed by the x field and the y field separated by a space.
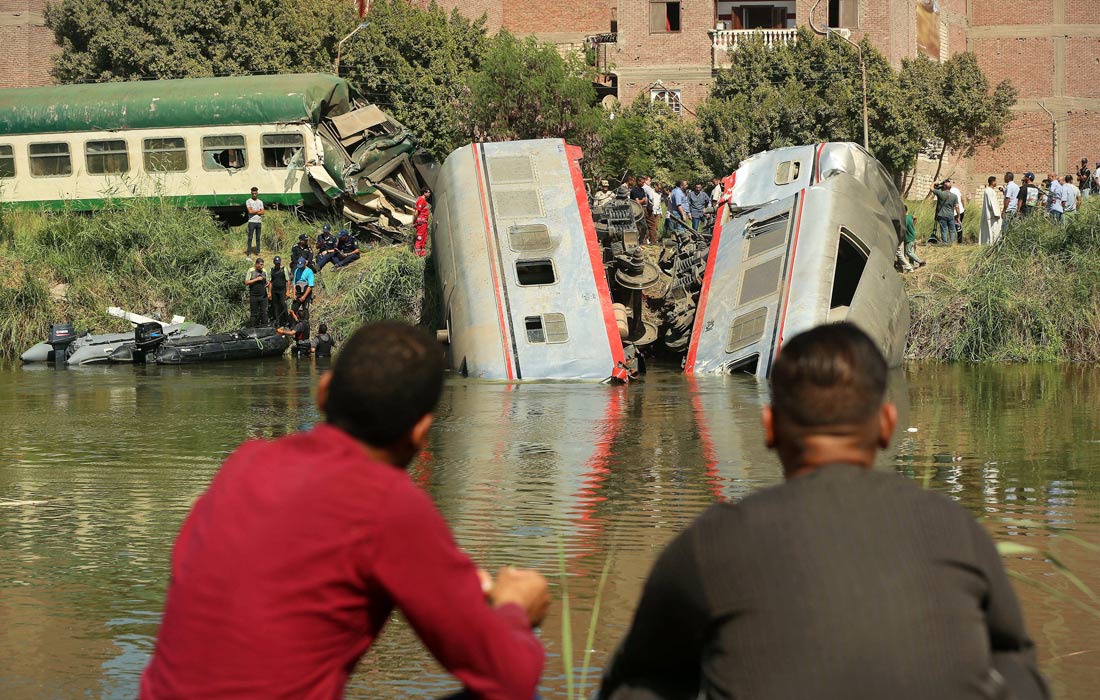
pixel 387 377
pixel 831 375
pixel 1009 177
pixel 255 189
pixel 991 180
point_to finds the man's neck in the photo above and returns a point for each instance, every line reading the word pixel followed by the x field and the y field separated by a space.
pixel 820 451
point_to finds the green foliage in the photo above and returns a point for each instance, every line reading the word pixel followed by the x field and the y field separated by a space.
pixel 527 90
pixel 386 284
pixel 124 40
pixel 1033 297
pixel 649 139
pixel 413 63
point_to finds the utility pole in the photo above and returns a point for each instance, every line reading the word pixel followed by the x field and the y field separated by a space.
pixel 340 47
pixel 1053 137
pixel 862 69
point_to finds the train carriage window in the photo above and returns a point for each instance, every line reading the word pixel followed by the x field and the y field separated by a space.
pixel 280 150
pixel 851 260
pixel 165 155
pixel 534 273
pixel 50 160
pixel 7 161
pixel 106 157
pixel 787 172
pixel 223 152
pixel 548 328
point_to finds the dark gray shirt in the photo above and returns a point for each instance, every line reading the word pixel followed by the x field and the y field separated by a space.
pixel 843 583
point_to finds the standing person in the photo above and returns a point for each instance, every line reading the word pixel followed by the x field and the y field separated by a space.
pixel 303 286
pixel 423 214
pixel 947 208
pixel 652 207
pixel 962 213
pixel 698 201
pixel 323 342
pixel 990 230
pixel 347 249
pixel 637 193
pixel 911 258
pixel 256 282
pixel 326 249
pixel 1028 200
pixel 1073 196
pixel 679 201
pixel 254 208
pixel 666 207
pixel 299 332
pixel 603 195
pixel 842 582
pixel 276 293
pixel 288 567
pixel 716 190
pixel 1084 178
pixel 1011 204
pixel 1055 199
pixel 302 250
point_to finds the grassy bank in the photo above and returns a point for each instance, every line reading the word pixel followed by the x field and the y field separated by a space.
pixel 150 257
pixel 1034 297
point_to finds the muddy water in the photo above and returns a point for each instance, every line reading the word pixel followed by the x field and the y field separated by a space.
pixel 99 466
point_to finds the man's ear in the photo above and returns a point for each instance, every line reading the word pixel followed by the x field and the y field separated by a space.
pixel 418 436
pixel 768 420
pixel 322 390
pixel 887 421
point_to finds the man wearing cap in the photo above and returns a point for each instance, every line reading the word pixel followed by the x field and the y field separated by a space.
pixel 256 281
pixel 299 332
pixel 347 249
pixel 1028 199
pixel 303 286
pixel 326 229
pixel 1084 178
pixel 276 293
pixel 423 213
pixel 326 248
pixel 603 195
pixel 302 250
pixel 254 207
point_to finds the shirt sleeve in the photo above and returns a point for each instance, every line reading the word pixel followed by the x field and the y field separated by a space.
pixel 662 653
pixel 1012 648
pixel 492 651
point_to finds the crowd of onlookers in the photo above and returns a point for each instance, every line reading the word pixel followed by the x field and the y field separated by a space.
pixel 666 206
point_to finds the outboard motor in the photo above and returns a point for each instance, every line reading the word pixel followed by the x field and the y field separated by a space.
pixel 61 337
pixel 147 338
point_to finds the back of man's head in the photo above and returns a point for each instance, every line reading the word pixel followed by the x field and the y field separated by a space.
pixel 387 377
pixel 825 379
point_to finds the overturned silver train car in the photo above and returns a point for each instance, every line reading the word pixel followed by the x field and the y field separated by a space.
pixel 530 289
pixel 805 235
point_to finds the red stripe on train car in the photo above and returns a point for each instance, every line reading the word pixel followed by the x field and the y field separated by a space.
pixel 708 273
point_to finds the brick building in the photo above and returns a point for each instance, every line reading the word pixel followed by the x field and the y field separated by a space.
pixel 27 44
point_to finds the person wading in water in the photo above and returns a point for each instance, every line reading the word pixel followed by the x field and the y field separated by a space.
pixel 290 564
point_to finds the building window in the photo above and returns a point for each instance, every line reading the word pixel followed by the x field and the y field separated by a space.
pixel 166 155
pixel 106 157
pixel 50 160
pixel 280 149
pixel 664 17
pixel 7 161
pixel 535 273
pixel 843 13
pixel 669 97
pixel 223 152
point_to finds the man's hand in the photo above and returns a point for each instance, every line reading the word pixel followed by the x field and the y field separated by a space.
pixel 526 588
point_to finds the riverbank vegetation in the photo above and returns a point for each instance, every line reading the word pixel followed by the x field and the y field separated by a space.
pixel 1033 297
pixel 150 257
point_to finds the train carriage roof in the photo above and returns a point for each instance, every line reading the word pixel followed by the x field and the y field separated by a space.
pixel 152 104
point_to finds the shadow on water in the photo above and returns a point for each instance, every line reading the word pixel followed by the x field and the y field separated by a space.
pixel 105 463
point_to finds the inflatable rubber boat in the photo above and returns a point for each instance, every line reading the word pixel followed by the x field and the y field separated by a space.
pixel 97 347
pixel 148 344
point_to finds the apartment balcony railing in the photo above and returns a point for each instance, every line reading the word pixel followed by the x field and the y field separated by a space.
pixel 725 40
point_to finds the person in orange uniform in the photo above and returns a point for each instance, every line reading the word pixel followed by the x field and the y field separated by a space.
pixel 423 212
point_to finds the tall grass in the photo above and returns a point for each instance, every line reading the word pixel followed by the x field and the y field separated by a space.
pixel 1033 297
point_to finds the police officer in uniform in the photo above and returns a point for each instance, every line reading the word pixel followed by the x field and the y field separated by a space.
pixel 302 250
pixel 326 248
pixel 323 342
pixel 276 293
pixel 256 281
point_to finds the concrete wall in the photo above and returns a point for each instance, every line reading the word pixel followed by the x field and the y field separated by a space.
pixel 25 44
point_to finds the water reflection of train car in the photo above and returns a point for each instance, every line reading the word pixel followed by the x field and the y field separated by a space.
pixel 524 289
pixel 807 236
pixel 301 139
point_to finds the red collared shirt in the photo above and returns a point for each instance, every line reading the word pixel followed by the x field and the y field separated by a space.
pixel 288 567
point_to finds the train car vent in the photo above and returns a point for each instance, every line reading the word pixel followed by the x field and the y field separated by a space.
pixel 556 330
pixel 746 330
pixel 528 238
pixel 517 204
pixel 535 273
pixel 760 281
pixel 768 234
pixel 511 170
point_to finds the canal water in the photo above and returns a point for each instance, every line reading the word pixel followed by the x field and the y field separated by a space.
pixel 98 467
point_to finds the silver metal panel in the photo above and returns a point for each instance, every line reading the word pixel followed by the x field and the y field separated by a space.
pixel 760 281
pixel 556 329
pixel 505 170
pixel 747 330
pixel 767 235
pixel 529 238
pixel 517 204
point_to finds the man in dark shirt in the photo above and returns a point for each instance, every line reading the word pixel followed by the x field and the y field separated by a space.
pixel 256 281
pixel 843 583
pixel 947 211
pixel 347 249
pixel 302 250
pixel 1084 178
pixel 637 192
pixel 290 564
pixel 326 249
pixel 276 293
pixel 1029 197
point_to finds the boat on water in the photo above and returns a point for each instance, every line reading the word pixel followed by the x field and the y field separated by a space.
pixel 530 288
pixel 94 348
pixel 147 344
pixel 536 284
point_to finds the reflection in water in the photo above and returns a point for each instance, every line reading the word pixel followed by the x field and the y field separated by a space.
pixel 102 464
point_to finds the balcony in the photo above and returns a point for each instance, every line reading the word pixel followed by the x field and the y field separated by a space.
pixel 725 40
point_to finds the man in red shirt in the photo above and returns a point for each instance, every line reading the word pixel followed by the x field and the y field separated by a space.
pixel 423 211
pixel 288 566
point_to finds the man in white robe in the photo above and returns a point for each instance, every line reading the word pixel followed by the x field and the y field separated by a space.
pixel 990 231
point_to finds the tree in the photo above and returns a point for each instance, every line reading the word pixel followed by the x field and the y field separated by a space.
pixel 957 106
pixel 104 40
pixel 807 91
pixel 413 63
pixel 527 90
pixel 648 138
